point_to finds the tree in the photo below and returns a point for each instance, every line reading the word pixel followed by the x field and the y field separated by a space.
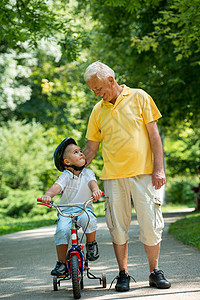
pixel 31 21
pixel 152 45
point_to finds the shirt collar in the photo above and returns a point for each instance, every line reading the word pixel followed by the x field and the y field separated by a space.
pixel 73 175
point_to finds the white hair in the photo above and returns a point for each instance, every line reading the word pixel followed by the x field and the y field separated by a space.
pixel 99 69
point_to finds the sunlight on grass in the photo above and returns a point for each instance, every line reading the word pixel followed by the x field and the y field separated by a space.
pixel 10 225
pixel 187 230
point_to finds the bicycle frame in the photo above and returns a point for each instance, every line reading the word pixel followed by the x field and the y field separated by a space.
pixel 75 250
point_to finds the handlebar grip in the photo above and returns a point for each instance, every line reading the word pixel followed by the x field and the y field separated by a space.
pixel 40 203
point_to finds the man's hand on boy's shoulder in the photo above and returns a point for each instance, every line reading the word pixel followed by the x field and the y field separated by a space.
pixel 96 194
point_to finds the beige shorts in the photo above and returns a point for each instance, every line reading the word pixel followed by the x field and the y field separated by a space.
pixel 147 203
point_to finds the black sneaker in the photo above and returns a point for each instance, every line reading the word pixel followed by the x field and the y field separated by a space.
pixel 158 280
pixel 123 280
pixel 60 269
pixel 92 251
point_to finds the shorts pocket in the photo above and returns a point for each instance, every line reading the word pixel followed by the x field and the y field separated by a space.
pixel 108 214
pixel 159 222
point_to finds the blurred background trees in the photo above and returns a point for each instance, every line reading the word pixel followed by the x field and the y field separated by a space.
pixel 45 47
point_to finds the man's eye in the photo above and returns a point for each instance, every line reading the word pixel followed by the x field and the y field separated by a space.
pixel 98 89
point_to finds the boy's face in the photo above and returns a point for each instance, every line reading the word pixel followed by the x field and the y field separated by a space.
pixel 73 156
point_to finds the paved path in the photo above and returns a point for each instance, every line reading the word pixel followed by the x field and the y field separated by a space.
pixel 26 259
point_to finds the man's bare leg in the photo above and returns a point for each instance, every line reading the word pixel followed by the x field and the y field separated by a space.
pixel 152 253
pixel 121 253
pixel 156 278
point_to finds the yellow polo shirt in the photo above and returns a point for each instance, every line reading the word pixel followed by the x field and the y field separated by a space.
pixel 122 130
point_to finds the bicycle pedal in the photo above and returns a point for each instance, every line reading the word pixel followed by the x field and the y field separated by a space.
pixel 61 276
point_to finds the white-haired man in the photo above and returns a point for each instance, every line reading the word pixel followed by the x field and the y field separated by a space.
pixel 125 121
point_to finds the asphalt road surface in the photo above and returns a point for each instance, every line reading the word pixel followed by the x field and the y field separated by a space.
pixel 27 258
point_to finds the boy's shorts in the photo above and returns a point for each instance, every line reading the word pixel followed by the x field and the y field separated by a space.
pixel 147 203
pixel 63 230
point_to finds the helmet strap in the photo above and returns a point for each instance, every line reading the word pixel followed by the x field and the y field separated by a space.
pixel 77 168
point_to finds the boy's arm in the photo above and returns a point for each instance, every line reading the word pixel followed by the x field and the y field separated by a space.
pixel 54 190
pixel 96 192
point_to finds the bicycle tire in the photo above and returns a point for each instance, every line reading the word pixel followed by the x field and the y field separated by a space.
pixel 75 277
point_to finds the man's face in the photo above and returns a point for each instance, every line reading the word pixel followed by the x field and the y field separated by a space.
pixel 103 88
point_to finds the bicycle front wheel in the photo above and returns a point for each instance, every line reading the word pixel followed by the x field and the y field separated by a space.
pixel 75 276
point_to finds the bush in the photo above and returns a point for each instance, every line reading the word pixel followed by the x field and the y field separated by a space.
pixel 19 203
pixel 26 156
pixel 179 191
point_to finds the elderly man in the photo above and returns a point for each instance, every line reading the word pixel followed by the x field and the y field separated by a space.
pixel 125 121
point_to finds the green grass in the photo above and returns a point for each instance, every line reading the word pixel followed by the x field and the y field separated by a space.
pixel 10 225
pixel 187 230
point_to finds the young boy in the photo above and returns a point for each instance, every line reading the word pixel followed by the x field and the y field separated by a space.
pixel 77 185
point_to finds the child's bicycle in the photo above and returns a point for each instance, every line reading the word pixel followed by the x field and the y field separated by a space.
pixel 76 261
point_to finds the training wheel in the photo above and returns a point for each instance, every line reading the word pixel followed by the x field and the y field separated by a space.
pixel 55 283
pixel 103 280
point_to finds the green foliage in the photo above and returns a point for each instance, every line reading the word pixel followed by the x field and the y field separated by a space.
pixel 182 150
pixel 26 155
pixel 13 92
pixel 152 45
pixel 44 217
pixel 19 203
pixel 179 191
pixel 144 56
pixel 31 21
pixel 187 230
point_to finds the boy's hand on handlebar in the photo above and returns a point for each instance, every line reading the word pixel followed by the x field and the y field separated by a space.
pixel 46 199
pixel 96 195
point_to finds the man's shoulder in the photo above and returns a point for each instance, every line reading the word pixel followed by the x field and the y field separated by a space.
pixel 98 105
pixel 137 92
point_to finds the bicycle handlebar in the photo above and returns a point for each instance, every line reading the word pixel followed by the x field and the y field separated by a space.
pixel 72 215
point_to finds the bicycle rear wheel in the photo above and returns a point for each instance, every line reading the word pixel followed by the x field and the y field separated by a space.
pixel 75 276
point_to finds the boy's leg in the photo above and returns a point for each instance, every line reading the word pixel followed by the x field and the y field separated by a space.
pixel 90 237
pixel 62 252
pixel 91 247
pixel 61 267
pixel 90 232
pixel 61 237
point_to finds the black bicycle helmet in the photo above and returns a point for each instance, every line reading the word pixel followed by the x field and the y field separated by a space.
pixel 58 154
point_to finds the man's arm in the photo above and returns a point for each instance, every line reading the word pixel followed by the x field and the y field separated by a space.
pixel 158 175
pixel 91 150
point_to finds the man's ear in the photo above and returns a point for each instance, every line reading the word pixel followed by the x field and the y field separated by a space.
pixel 111 79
